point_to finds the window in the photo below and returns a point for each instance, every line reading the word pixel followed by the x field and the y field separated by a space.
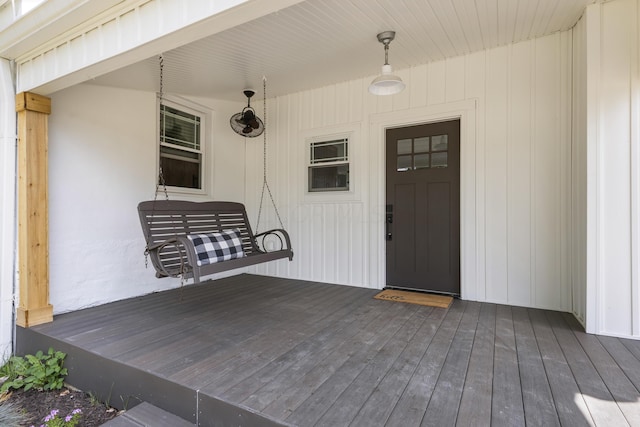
pixel 181 145
pixel 329 165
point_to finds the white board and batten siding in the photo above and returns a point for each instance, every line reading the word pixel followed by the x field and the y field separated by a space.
pixel 607 159
pixel 579 174
pixel 515 108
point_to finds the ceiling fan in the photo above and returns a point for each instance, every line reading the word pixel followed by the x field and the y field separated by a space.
pixel 246 123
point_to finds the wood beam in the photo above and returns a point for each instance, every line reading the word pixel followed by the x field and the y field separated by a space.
pixel 33 209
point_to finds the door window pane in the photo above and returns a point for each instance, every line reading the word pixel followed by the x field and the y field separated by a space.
pixel 421 145
pixel 404 146
pixel 439 160
pixel 404 163
pixel 422 153
pixel 422 161
pixel 439 143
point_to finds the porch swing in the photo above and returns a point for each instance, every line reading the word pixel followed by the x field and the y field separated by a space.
pixel 188 239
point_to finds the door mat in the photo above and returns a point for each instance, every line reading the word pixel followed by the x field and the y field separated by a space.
pixel 441 301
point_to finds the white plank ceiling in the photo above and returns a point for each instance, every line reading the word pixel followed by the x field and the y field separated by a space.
pixel 320 42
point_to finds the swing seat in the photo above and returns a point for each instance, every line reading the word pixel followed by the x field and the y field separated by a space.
pixel 173 230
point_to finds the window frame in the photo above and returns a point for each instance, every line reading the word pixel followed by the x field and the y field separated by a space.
pixel 204 115
pixel 319 163
pixel 353 132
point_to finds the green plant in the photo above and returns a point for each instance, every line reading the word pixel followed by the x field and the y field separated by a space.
pixel 125 402
pixel 40 371
pixel 95 400
pixel 70 420
pixel 10 368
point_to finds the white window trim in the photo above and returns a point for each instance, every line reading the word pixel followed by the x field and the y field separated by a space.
pixel 328 162
pixel 206 148
pixel 351 132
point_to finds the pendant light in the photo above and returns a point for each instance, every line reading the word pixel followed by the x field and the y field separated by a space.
pixel 386 83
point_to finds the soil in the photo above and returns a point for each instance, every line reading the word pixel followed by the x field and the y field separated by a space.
pixel 38 404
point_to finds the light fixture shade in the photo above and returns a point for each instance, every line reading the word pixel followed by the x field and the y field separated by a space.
pixel 386 83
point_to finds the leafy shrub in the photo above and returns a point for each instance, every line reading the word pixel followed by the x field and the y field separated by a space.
pixel 40 371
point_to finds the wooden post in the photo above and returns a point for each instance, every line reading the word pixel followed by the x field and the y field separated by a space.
pixel 33 209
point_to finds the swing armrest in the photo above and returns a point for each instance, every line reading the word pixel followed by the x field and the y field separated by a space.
pixel 159 245
pixel 155 248
pixel 175 241
pixel 277 232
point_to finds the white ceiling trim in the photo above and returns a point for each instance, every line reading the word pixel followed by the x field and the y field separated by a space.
pixel 296 44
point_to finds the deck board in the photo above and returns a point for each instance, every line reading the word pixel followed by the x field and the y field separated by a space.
pixel 507 404
pixel 289 352
pixel 301 387
pixel 594 390
pixel 260 343
pixel 351 400
pixel 370 341
pixel 443 405
pixel 475 402
pixel 616 381
pixel 383 398
pixel 623 357
pixel 266 385
pixel 267 364
pixel 536 392
pixel 412 405
pixel 570 404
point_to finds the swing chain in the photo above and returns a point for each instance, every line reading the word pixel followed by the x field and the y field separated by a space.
pixel 265 184
pixel 161 180
pixel 160 174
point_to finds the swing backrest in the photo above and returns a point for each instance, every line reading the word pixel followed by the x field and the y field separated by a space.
pixel 163 219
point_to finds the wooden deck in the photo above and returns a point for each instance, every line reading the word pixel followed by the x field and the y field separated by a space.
pixel 253 350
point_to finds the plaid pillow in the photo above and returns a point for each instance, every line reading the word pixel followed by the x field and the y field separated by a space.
pixel 217 247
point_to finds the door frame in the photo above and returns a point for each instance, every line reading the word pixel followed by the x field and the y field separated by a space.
pixel 472 270
pixel 428 192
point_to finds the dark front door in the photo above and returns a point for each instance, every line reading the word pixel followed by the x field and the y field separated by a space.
pixel 423 207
